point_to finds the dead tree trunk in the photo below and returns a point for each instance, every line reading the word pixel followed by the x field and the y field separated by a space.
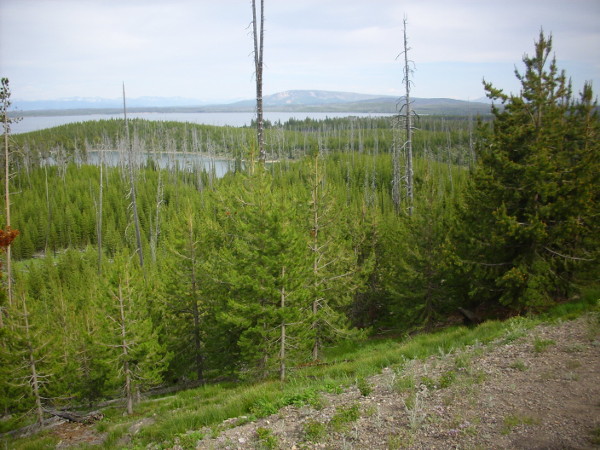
pixel 34 378
pixel 136 220
pixel 156 231
pixel 5 104
pixel 125 352
pixel 196 314
pixel 282 342
pixel 99 218
pixel 408 125
pixel 258 63
pixel 315 248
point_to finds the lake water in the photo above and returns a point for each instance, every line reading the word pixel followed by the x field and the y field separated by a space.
pixel 182 161
pixel 234 119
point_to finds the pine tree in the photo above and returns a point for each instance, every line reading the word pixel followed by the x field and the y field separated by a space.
pixel 184 295
pixel 141 356
pixel 530 212
pixel 333 264
pixel 262 261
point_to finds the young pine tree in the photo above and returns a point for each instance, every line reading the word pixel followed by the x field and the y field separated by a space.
pixel 260 269
pixel 140 355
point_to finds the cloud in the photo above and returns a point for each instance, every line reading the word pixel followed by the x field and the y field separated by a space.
pixel 202 48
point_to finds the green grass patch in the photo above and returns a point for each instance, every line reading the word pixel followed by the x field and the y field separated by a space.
pixel 189 440
pixel 519 365
pixel 541 345
pixel 266 439
pixel 364 386
pixel 447 378
pixel 314 431
pixel 344 417
pixel 39 442
pixel 512 421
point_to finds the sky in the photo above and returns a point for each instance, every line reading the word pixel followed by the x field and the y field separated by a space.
pixel 202 49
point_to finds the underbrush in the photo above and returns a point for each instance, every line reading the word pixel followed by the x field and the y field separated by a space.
pixel 202 411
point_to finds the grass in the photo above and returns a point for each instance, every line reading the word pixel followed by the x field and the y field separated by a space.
pixel 266 439
pixel 541 345
pixel 350 363
pixel 514 420
pixel 519 365
pixel 344 417
pixel 314 431
pixel 364 387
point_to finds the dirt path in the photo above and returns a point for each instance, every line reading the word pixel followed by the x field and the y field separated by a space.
pixel 536 389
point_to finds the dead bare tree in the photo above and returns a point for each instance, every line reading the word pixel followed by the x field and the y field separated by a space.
pixel 282 338
pixel 258 63
pixel 408 124
pixel 99 213
pixel 35 380
pixel 405 118
pixel 136 220
pixel 6 121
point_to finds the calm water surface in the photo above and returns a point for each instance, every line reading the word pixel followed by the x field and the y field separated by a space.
pixel 234 119
pixel 181 161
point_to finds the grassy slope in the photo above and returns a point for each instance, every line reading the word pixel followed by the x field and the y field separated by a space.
pixel 207 407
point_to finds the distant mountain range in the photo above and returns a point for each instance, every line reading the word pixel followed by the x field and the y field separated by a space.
pixel 287 101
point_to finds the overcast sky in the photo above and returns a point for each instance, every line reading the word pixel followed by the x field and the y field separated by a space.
pixel 201 49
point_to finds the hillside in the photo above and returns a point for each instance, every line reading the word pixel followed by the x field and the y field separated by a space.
pixel 538 391
pixel 522 384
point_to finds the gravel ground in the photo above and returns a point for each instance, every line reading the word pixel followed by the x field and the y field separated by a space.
pixel 535 389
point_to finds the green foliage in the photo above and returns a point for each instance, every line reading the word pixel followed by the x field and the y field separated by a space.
pixel 266 439
pixel 314 430
pixel 447 378
pixel 519 365
pixel 529 214
pixel 515 420
pixel 364 386
pixel 189 439
pixel 344 416
pixel 540 345
pixel 310 245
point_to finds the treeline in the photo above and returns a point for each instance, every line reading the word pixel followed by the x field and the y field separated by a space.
pixel 442 138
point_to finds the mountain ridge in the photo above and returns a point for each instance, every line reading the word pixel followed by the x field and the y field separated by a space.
pixel 284 101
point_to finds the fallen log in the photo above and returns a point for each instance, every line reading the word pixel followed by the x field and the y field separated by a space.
pixel 74 417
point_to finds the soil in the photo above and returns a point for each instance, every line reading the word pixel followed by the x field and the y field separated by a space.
pixel 538 391
pixel 533 389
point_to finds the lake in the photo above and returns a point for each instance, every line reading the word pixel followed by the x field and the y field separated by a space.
pixel 234 119
pixel 182 161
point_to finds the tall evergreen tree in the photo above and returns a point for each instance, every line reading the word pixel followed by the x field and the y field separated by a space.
pixel 333 264
pixel 261 261
pixel 530 216
pixel 141 356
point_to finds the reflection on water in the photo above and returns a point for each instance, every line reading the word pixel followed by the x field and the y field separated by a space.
pixel 192 162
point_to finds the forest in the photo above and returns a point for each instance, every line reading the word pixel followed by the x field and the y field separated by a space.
pixel 132 277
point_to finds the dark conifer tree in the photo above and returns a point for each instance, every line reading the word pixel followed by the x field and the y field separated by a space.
pixel 530 217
